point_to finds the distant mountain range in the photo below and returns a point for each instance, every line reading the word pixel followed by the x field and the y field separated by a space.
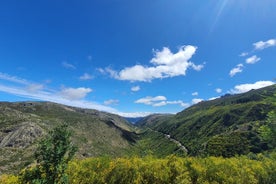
pixel 133 120
pixel 222 127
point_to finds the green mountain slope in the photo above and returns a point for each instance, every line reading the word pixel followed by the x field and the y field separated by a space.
pixel 222 127
pixel 225 126
pixel 95 133
pixel 153 120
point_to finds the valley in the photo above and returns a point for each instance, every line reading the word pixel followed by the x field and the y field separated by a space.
pixel 226 126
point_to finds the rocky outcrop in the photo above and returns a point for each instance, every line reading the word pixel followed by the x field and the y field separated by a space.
pixel 21 135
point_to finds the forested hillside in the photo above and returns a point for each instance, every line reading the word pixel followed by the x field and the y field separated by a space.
pixel 225 126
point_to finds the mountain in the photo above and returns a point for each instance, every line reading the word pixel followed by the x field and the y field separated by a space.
pixel 153 120
pixel 133 120
pixel 222 127
pixel 95 133
pixel 226 126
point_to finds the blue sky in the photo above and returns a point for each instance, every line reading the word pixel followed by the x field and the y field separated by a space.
pixel 135 57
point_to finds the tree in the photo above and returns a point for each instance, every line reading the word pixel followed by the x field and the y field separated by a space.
pixel 268 130
pixel 52 155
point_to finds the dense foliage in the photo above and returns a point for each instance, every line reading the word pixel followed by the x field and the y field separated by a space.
pixel 222 126
pixel 52 156
pixel 172 169
pixel 268 130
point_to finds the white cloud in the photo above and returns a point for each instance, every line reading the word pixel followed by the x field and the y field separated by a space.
pixel 197 67
pixel 135 88
pixel 165 64
pixel 180 102
pixel 7 77
pixel 159 104
pixel 213 98
pixel 264 44
pixel 159 101
pixel 101 70
pixel 74 93
pixel 196 100
pixel 68 65
pixel 35 87
pixel 252 59
pixel 242 88
pixel 29 86
pixel 134 114
pixel 151 100
pixel 218 90
pixel 30 90
pixel 244 54
pixel 111 102
pixel 177 102
pixel 236 70
pixel 54 97
pixel 109 71
pixel 195 93
pixel 86 76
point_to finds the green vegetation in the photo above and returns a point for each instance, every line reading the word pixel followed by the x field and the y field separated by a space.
pixel 154 143
pixel 52 156
pixel 23 124
pixel 169 170
pixel 268 130
pixel 227 127
pixel 223 126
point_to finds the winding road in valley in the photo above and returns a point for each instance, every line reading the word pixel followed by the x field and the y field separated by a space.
pixel 178 143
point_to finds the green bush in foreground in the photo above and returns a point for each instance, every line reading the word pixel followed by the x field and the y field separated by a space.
pixel 52 156
pixel 216 170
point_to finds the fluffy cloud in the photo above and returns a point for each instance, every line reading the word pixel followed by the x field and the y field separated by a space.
pixel 159 101
pixel 218 90
pixel 135 88
pixel 74 93
pixel 196 100
pixel 68 65
pixel 236 70
pixel 195 93
pixel 252 59
pixel 111 102
pixel 242 88
pixel 165 64
pixel 264 44
pixel 86 76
